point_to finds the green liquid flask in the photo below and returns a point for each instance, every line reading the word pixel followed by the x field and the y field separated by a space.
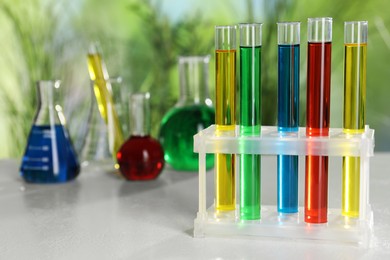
pixel 192 113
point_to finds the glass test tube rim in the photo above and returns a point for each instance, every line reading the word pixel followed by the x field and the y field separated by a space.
pixel 249 24
pixel 194 58
pixel 317 19
pixel 255 30
pixel 363 39
pixel 232 26
pixel 225 37
pixel 325 35
pixel 95 48
pixel 356 22
pixel 290 24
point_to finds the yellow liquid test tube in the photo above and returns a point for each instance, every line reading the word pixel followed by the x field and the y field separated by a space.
pixel 103 93
pixel 225 115
pixel 355 60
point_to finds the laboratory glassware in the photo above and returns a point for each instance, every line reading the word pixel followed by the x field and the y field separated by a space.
pixel 192 113
pixel 288 112
pixel 250 118
pixel 319 34
pixel 354 120
pixel 225 115
pixel 141 157
pixel 104 96
pixel 49 156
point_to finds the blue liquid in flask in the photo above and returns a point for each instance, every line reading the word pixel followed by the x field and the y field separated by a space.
pixel 49 156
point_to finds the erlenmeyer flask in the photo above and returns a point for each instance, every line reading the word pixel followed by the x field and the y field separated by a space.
pixel 96 146
pixel 49 156
pixel 192 113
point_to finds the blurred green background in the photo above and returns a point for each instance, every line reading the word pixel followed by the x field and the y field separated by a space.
pixel 141 40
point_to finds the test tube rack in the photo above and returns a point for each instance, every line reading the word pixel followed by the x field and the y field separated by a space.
pixel 339 229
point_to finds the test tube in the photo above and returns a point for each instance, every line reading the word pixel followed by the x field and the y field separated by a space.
pixel 225 114
pixel 319 51
pixel 288 112
pixel 250 118
pixel 355 59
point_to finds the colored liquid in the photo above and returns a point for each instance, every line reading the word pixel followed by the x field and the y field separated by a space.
pixel 288 121
pixel 316 192
pixel 225 88
pixel 49 157
pixel 140 158
pixel 103 94
pixel 350 187
pixel 288 88
pixel 250 168
pixel 287 183
pixel 250 125
pixel 318 113
pixel 355 88
pixel 177 130
pixel 318 89
pixel 354 121
pixel 225 120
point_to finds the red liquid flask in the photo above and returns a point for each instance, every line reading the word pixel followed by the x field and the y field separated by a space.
pixel 141 157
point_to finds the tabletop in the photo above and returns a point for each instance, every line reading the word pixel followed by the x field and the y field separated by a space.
pixel 101 216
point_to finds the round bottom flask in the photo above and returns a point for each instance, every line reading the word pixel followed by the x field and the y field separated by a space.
pixel 141 157
pixel 192 113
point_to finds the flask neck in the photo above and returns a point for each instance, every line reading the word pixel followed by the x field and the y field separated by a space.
pixel 46 92
pixel 140 114
pixel 193 79
pixel 49 111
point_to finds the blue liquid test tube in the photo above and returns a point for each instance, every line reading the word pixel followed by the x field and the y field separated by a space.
pixel 288 112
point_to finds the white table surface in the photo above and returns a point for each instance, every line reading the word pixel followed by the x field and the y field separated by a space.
pixel 99 216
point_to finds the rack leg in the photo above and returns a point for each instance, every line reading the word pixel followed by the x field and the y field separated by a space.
pixel 202 184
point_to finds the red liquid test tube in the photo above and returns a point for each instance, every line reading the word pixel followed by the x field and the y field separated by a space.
pixel 318 114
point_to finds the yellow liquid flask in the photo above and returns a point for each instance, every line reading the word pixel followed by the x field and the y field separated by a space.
pixel 355 60
pixel 225 114
pixel 49 156
pixel 104 97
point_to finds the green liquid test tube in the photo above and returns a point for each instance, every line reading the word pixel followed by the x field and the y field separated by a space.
pixel 355 59
pixel 250 118
pixel 225 115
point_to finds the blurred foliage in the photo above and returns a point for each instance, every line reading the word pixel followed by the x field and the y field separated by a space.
pixel 35 50
pixel 141 40
pixel 163 41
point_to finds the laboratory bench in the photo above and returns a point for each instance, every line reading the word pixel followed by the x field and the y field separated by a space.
pixel 101 216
